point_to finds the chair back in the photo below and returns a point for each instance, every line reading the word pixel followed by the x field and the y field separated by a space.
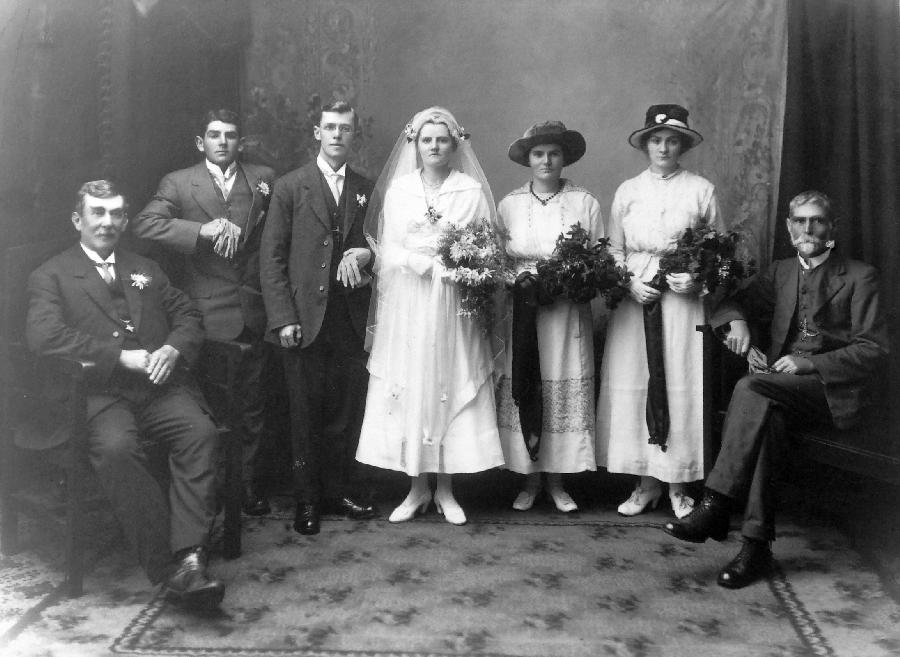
pixel 19 375
pixel 18 263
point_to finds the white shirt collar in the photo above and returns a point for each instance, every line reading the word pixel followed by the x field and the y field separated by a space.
pixel 815 261
pixel 326 169
pixel 228 174
pixel 95 257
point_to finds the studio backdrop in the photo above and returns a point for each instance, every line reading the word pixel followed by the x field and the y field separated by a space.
pixel 503 65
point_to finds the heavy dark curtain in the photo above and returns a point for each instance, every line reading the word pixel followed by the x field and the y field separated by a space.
pixel 841 133
pixel 186 58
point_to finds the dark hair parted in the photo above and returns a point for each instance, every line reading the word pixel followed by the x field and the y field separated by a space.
pixel 682 139
pixel 566 151
pixel 815 198
pixel 338 107
pixel 98 189
pixel 223 115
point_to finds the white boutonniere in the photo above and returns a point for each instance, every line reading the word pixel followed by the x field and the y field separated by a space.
pixel 140 280
pixel 361 200
pixel 263 187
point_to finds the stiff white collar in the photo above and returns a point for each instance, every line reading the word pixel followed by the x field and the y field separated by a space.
pixel 95 257
pixel 326 169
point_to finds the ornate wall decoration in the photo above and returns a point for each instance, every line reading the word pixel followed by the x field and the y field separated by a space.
pixel 303 54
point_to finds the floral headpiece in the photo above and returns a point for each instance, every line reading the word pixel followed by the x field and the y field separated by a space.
pixel 458 132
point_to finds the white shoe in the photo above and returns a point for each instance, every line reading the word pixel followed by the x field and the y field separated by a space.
pixel 562 500
pixel 640 499
pixel 525 500
pixel 681 504
pixel 410 507
pixel 451 510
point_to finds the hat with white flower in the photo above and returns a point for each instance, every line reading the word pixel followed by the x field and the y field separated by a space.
pixel 673 117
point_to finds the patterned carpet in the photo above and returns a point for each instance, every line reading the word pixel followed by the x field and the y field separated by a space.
pixel 506 585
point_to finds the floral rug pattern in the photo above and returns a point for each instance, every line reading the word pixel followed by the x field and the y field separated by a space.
pixel 505 585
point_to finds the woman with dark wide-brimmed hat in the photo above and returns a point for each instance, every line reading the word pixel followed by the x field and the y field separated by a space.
pixel 546 387
pixel 649 410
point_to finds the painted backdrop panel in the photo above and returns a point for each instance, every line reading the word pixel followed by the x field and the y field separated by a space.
pixel 505 64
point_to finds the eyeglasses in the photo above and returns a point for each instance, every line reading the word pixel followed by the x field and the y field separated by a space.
pixel 332 127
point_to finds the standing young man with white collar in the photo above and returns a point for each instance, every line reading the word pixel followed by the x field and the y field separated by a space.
pixel 212 215
pixel 314 258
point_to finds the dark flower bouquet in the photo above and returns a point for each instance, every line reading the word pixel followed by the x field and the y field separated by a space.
pixel 477 265
pixel 709 256
pixel 580 270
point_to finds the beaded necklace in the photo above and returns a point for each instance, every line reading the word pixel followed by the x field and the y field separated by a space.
pixel 562 206
pixel 545 201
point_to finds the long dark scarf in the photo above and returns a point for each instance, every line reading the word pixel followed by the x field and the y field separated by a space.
pixel 657 399
pixel 528 295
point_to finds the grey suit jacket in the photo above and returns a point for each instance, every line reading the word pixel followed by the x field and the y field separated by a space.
pixel 227 293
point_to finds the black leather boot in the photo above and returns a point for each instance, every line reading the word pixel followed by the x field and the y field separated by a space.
pixel 752 563
pixel 709 519
pixel 306 519
pixel 189 584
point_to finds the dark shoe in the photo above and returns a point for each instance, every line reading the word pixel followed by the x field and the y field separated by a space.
pixel 709 519
pixel 753 562
pixel 189 586
pixel 254 504
pixel 347 507
pixel 306 519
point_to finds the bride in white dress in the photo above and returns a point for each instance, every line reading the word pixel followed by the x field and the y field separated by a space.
pixel 430 405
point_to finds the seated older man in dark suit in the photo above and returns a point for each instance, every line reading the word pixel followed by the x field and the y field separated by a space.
pixel 104 304
pixel 828 340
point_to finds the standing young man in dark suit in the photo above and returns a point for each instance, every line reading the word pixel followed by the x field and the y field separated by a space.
pixel 316 291
pixel 828 339
pixel 213 215
pixel 104 304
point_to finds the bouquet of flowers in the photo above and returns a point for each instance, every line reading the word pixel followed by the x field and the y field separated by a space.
pixel 709 256
pixel 580 270
pixel 477 265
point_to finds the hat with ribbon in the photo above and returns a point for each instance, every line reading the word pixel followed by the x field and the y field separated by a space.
pixel 548 132
pixel 674 117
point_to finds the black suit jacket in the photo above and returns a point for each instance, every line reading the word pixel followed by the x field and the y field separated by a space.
pixel 71 313
pixel 847 313
pixel 296 251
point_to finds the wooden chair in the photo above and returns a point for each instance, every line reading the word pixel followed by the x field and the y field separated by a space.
pixel 43 394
